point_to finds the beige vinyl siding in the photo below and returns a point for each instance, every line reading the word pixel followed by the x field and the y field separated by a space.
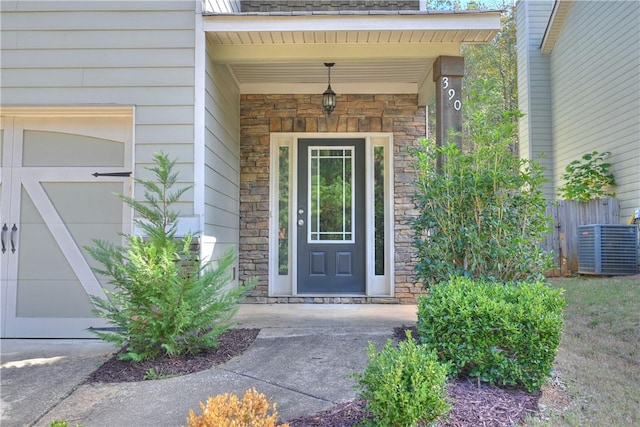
pixel 595 67
pixel 534 89
pixel 222 154
pixel 138 53
pixel 522 53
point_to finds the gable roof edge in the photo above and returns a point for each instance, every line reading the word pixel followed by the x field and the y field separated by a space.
pixel 555 24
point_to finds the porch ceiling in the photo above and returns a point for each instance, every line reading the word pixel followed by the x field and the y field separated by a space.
pixel 373 52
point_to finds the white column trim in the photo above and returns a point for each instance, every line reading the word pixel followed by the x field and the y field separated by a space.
pixel 198 120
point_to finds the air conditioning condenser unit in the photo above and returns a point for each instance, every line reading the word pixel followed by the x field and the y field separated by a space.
pixel 608 249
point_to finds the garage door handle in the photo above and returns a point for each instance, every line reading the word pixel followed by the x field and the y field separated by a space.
pixel 97 174
pixel 13 233
pixel 2 236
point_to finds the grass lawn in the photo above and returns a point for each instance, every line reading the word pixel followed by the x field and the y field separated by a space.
pixel 598 362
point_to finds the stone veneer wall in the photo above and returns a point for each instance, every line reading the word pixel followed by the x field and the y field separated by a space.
pixel 263 114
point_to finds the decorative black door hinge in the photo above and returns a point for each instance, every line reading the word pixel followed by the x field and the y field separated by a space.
pixel 97 174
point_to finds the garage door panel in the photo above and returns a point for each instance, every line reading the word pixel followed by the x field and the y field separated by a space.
pixel 42 149
pixel 111 128
pixel 86 202
pixel 90 211
pixel 40 255
pixel 52 298
pixel 59 207
pixel 83 235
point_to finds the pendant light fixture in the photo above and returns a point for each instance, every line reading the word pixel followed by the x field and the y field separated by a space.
pixel 329 96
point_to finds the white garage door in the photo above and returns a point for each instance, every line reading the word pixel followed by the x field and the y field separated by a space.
pixel 52 206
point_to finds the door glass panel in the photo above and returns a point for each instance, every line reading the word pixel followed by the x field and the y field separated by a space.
pixel 331 215
pixel 283 211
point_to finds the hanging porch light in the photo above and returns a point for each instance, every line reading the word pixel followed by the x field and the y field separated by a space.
pixel 329 96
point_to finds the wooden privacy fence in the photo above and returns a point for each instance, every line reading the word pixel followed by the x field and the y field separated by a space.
pixel 567 216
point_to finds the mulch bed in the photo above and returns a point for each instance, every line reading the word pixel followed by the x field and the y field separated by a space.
pixel 472 404
pixel 232 343
pixel 346 414
pixel 476 404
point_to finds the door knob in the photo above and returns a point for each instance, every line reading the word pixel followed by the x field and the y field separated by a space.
pixel 301 222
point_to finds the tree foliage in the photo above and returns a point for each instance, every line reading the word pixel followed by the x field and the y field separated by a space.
pixel 489 86
pixel 588 178
pixel 163 300
pixel 482 213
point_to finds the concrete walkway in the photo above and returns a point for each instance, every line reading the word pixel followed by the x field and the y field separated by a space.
pixel 301 360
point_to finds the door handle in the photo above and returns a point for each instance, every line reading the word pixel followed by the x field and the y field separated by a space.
pixel 14 229
pixel 2 236
pixel 97 174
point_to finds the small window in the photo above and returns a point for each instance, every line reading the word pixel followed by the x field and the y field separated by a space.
pixel 283 211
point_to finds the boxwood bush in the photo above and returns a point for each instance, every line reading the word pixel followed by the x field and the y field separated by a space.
pixel 403 385
pixel 504 334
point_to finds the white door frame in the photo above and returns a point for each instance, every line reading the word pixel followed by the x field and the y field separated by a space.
pixel 281 285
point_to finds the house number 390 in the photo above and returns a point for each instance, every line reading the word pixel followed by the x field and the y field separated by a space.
pixel 451 94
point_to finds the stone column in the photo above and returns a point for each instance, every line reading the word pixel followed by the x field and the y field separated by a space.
pixel 447 73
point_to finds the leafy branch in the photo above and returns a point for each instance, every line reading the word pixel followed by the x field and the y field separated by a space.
pixel 588 178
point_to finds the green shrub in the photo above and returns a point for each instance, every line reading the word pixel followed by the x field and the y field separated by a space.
pixel 588 178
pixel 403 385
pixel 163 300
pixel 504 334
pixel 482 213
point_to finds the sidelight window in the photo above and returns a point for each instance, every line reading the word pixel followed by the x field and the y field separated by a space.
pixel 283 211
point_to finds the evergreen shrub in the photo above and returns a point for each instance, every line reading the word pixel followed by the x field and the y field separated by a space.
pixel 504 334
pixel 403 385
pixel 161 299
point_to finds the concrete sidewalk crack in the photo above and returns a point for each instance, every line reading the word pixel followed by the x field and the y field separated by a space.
pixel 279 386
pixel 56 404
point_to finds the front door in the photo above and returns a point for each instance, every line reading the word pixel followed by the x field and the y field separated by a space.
pixel 331 216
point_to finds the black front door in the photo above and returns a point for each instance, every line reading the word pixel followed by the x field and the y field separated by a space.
pixel 331 216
